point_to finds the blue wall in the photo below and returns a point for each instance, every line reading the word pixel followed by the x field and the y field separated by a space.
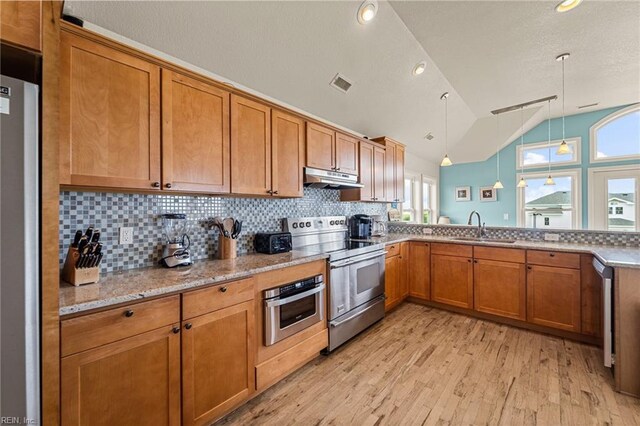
pixel 483 173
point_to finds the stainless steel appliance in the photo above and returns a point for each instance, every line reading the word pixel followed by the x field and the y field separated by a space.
pixel 292 308
pixel 606 273
pixel 19 252
pixel 378 227
pixel 176 248
pixel 317 178
pixel 272 242
pixel 356 273
pixel 360 226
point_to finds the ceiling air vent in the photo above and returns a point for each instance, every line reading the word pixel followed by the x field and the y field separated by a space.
pixel 340 83
pixel 428 136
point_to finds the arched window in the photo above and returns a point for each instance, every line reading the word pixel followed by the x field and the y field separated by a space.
pixel 617 136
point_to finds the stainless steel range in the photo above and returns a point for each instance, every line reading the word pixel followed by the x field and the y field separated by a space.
pixel 356 273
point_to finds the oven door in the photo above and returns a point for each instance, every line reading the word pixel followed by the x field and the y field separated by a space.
pixel 354 282
pixel 284 317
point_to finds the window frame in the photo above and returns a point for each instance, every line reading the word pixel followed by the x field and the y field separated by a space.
pixel 575 143
pixel 416 209
pixel 576 176
pixel 593 136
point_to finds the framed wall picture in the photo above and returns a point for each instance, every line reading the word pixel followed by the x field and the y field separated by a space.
pixel 488 193
pixel 463 193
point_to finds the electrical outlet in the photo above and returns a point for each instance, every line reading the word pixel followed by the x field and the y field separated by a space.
pixel 505 216
pixel 427 231
pixel 551 237
pixel 126 235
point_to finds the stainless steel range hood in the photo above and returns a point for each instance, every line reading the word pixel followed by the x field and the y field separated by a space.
pixel 316 178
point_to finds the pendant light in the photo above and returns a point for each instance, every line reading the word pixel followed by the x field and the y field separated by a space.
pixel 564 148
pixel 522 183
pixel 549 181
pixel 498 184
pixel 445 161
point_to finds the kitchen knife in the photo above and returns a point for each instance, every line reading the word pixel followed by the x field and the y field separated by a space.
pixel 89 233
pixel 96 236
pixel 76 238
pixel 97 252
pixel 81 246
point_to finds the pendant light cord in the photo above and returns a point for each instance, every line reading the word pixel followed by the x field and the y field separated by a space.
pixel 446 126
pixel 562 102
pixel 549 132
pixel 498 144
pixel 522 140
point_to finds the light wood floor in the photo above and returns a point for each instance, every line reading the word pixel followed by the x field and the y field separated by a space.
pixel 426 366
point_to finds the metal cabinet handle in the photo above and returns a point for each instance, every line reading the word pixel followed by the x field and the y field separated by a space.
pixel 269 191
pixel 475 261
pixel 552 254
pixel 188 326
pixel 168 185
pixel 222 289
pixel 175 330
pixel 156 184
pixel 529 267
pixel 337 169
pixel 128 313
pixel 275 192
pixel 279 302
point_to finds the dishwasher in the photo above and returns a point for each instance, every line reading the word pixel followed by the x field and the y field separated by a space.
pixel 606 274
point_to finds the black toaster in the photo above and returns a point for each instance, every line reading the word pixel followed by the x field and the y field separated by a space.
pixel 272 242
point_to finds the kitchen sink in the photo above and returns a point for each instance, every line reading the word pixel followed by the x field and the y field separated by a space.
pixel 486 240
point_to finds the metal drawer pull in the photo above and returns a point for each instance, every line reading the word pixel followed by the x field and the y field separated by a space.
pixel 223 289
pixel 279 302
pixel 128 313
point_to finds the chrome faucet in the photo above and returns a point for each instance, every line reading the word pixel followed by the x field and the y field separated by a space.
pixel 482 232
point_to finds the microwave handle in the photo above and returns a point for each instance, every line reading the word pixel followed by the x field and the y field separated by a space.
pixel 279 302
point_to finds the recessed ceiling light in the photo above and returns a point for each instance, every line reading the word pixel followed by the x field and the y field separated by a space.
pixel 419 68
pixel 567 5
pixel 367 11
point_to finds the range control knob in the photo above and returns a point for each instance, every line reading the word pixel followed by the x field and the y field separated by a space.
pixel 294 225
pixel 308 224
pixel 332 222
pixel 301 224
pixel 342 222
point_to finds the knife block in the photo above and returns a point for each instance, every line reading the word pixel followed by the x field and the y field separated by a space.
pixel 78 276
pixel 227 248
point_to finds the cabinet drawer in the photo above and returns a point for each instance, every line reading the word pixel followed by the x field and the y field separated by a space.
pixel 93 330
pixel 553 258
pixel 211 299
pixel 393 249
pixel 499 254
pixel 461 250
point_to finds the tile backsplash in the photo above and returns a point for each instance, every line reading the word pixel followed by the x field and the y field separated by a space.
pixel 110 211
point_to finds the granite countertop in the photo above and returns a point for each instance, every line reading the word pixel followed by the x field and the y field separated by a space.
pixel 615 256
pixel 137 284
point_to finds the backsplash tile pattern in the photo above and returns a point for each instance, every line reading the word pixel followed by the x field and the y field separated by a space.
pixel 110 211
pixel 631 239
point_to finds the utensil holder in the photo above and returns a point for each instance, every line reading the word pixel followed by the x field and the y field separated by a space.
pixel 227 248
pixel 78 276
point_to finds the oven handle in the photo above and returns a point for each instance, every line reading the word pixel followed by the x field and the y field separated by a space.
pixel 279 302
pixel 355 260
pixel 375 301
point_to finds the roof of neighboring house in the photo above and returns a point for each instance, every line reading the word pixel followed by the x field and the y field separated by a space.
pixel 621 222
pixel 622 196
pixel 557 198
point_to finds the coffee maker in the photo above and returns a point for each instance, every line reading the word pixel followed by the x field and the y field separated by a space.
pixel 176 249
pixel 360 226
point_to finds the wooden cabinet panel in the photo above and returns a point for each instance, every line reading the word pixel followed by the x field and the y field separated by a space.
pixel 321 143
pixel 379 178
pixel 499 254
pixel 366 176
pixel 463 250
pixel 217 363
pixel 131 381
pixel 389 172
pixel 346 154
pixel 404 271
pixel 452 280
pixel 392 282
pixel 500 288
pixel 200 302
pixel 195 135
pixel 250 147
pixel 109 117
pixel 419 275
pixel 394 169
pixel 399 173
pixel 553 258
pixel 20 23
pixel 553 297
pixel 287 154
pixel 392 249
pixel 591 295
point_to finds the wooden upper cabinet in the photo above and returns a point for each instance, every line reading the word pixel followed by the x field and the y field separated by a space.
pixel 394 169
pixel 250 147
pixel 130 381
pixel 419 266
pixel 366 174
pixel 500 288
pixel 21 23
pixel 389 172
pixel 346 154
pixel 452 280
pixel 399 173
pixel 553 297
pixel 379 178
pixel 321 143
pixel 287 154
pixel 218 371
pixel 109 117
pixel 195 135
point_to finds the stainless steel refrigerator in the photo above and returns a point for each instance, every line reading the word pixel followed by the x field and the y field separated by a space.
pixel 19 251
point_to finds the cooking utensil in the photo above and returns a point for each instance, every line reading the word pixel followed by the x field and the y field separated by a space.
pixel 237 228
pixel 227 226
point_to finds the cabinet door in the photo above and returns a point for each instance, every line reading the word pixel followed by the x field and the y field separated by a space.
pixel 379 178
pixel 366 171
pixel 399 173
pixel 391 281
pixel 21 23
pixel 403 287
pixel 195 135
pixel 346 154
pixel 109 117
pixel 591 295
pixel 218 371
pixel 287 154
pixel 132 381
pixel 553 297
pixel 250 147
pixel 321 143
pixel 500 288
pixel 420 270
pixel 389 172
pixel 452 280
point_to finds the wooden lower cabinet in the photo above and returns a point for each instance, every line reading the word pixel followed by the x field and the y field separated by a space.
pixel 500 288
pixel 553 297
pixel 391 282
pixel 217 362
pixel 403 286
pixel 452 280
pixel 131 381
pixel 419 270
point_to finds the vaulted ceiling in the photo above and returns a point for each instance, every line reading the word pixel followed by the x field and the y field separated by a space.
pixel 487 54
